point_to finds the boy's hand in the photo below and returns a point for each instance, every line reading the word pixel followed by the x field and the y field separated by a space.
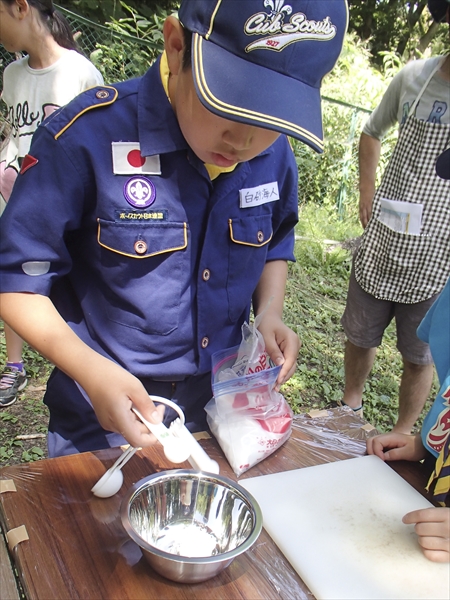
pixel 432 525
pixel 396 446
pixel 282 345
pixel 112 395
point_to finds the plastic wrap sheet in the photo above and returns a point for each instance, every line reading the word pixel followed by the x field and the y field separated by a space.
pixel 331 435
pixel 77 546
pixel 76 541
pixel 279 573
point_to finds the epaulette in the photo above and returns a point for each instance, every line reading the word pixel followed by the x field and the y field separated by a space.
pixel 94 97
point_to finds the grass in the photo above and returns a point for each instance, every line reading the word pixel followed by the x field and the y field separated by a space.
pixel 315 299
pixel 23 425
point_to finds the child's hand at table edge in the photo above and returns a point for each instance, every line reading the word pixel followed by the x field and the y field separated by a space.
pixel 396 446
pixel 432 526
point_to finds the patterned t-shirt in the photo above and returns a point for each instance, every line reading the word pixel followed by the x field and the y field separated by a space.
pixel 30 96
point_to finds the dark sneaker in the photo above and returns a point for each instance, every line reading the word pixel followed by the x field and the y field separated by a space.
pixel 12 381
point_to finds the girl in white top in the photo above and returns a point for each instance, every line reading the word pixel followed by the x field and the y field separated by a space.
pixel 49 76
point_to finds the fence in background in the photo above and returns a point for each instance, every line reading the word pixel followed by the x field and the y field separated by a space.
pixel 118 56
pixel 329 178
pixel 332 177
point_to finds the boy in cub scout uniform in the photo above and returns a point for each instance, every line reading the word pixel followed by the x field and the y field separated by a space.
pixel 158 209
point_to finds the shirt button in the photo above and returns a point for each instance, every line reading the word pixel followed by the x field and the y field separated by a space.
pixel 206 275
pixel 260 236
pixel 102 94
pixel 205 342
pixel 140 247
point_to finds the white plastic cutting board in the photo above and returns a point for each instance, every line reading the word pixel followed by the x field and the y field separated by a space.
pixel 340 526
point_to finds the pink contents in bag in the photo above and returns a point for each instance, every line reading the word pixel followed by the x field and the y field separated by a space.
pixel 277 424
pixel 249 419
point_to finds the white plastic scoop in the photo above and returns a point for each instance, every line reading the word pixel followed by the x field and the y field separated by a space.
pixel 175 450
pixel 198 458
pixel 111 481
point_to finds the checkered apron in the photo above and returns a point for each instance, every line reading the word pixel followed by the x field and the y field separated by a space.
pixel 397 266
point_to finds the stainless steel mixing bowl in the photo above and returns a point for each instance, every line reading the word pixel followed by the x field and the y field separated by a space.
pixel 189 524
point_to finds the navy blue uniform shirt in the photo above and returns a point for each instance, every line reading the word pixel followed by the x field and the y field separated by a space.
pixel 155 271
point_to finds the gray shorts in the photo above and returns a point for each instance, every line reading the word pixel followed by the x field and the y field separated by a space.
pixel 365 319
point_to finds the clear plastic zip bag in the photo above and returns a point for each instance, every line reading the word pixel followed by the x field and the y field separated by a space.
pixel 249 419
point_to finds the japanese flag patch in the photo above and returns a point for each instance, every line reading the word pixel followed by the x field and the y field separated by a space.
pixel 128 160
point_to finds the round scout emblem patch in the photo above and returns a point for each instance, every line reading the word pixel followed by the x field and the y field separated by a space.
pixel 139 192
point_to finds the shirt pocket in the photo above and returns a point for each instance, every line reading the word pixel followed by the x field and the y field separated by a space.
pixel 143 265
pixel 249 244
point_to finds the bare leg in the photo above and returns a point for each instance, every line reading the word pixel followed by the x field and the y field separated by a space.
pixel 14 345
pixel 415 388
pixel 357 364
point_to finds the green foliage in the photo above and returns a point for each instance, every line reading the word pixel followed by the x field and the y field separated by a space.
pixel 37 366
pixel 6 417
pixel 11 447
pixel 354 79
pixel 28 414
pixel 318 224
pixel 122 57
pixel 404 28
pixel 32 454
pixel 103 11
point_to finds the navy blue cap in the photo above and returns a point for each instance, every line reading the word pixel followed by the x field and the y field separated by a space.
pixel 443 164
pixel 438 9
pixel 262 62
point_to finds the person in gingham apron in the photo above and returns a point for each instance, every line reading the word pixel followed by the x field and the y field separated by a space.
pixel 432 445
pixel 403 261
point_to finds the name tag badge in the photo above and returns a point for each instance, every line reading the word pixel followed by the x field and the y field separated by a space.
pixel 128 160
pixel 403 217
pixel 261 194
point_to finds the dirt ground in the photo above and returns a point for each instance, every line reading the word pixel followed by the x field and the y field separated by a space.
pixel 23 427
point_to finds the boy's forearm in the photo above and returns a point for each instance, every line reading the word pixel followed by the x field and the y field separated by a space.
pixel 271 286
pixel 35 319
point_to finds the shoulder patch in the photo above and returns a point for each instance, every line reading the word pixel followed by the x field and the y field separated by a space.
pixel 94 97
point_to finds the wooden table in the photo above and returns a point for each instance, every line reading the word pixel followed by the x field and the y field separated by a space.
pixel 77 548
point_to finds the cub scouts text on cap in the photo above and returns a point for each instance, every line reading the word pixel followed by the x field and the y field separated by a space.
pixel 262 62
